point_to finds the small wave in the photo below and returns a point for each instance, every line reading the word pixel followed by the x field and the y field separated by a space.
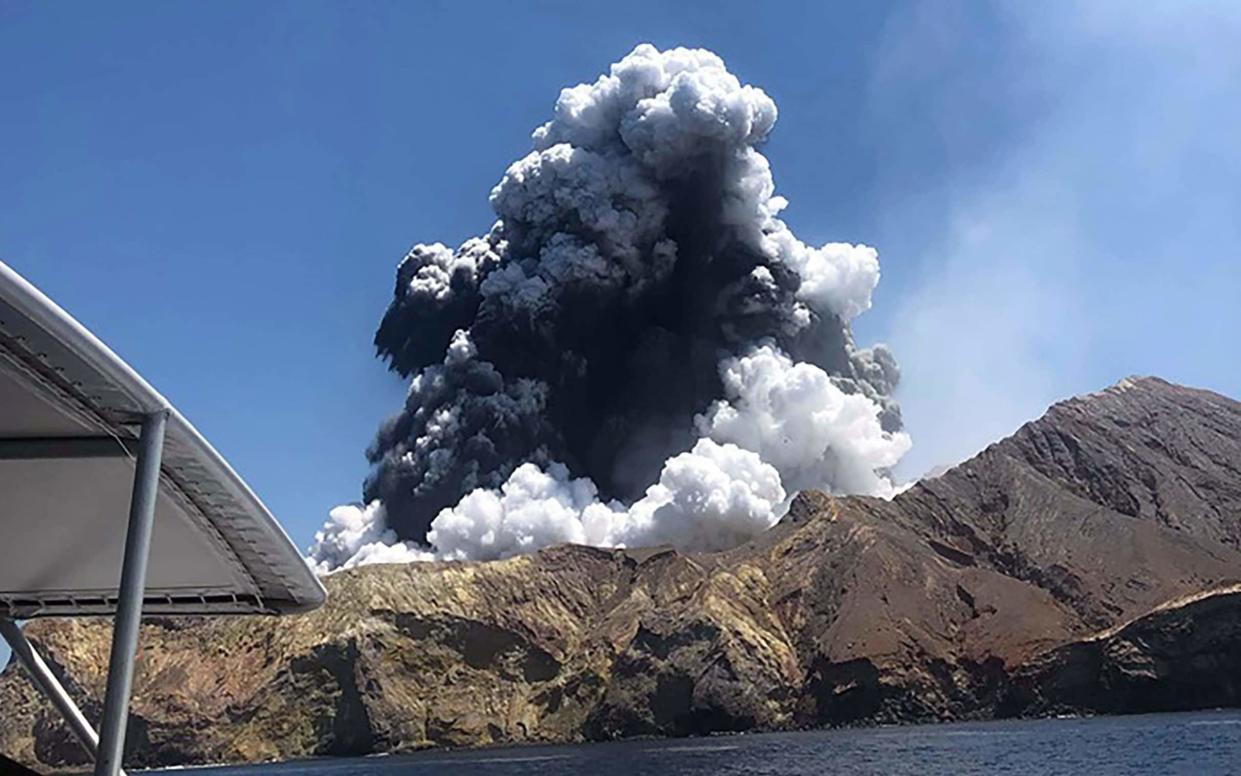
pixel 529 759
pixel 1216 722
pixel 533 758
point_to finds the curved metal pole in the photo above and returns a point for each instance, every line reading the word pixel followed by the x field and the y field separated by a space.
pixel 50 685
pixel 129 598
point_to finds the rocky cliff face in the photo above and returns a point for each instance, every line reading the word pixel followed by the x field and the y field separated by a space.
pixel 1185 655
pixel 1082 563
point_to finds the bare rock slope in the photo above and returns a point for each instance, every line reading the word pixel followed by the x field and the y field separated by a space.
pixel 1088 562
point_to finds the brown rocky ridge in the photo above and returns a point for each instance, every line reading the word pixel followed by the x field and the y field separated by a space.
pixel 1089 563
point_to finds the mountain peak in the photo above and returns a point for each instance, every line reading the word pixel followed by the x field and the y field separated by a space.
pixel 1135 387
pixel 1141 382
pixel 1144 447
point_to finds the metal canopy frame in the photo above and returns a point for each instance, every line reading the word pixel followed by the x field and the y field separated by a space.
pixel 107 747
pixel 69 404
pixel 65 396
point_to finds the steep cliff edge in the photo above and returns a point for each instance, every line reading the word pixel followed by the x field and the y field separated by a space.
pixel 1063 567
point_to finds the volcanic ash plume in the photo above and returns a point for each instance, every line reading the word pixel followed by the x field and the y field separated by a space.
pixel 638 352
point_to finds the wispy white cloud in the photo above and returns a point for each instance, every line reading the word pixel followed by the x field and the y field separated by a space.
pixel 1096 234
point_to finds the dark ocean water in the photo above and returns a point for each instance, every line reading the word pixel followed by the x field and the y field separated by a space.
pixel 1195 743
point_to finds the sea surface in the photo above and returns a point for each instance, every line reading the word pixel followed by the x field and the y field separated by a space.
pixel 1191 743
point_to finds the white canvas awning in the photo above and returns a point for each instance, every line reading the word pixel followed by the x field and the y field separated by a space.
pixel 70 414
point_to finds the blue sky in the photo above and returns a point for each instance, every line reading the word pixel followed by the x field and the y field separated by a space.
pixel 222 191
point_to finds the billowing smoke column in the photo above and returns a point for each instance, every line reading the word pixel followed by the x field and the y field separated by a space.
pixel 638 352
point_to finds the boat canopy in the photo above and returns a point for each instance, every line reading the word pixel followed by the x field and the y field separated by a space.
pixel 115 505
pixel 70 414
